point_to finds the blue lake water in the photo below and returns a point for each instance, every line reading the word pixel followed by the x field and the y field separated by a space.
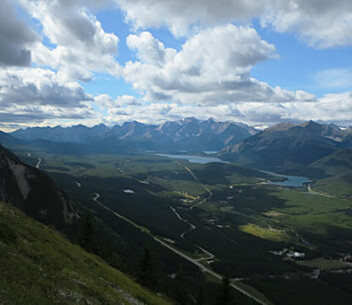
pixel 290 181
pixel 193 159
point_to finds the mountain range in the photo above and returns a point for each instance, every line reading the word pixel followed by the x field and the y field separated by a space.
pixel 189 134
pixel 288 147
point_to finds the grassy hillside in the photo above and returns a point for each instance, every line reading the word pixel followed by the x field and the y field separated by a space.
pixel 336 164
pixel 339 167
pixel 283 147
pixel 38 266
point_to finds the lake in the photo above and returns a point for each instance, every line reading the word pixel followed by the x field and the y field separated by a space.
pixel 193 159
pixel 291 181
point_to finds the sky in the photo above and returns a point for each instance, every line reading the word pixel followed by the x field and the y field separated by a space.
pixel 260 62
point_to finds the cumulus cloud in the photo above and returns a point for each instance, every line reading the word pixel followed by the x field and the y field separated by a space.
pixel 149 49
pixel 128 100
pixel 320 23
pixel 179 16
pixel 212 67
pixel 80 46
pixel 16 38
pixel 104 100
pixel 18 116
pixel 39 87
pixel 34 95
pixel 330 108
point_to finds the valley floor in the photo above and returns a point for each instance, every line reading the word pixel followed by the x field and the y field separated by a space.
pixel 281 245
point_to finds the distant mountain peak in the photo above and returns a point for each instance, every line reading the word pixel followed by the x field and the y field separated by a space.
pixel 279 127
pixel 311 125
pixel 190 120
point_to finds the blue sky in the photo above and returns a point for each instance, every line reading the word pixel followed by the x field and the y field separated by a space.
pixel 297 66
pixel 110 61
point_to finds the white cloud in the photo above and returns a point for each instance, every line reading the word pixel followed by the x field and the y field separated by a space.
pixel 16 37
pixel 334 107
pixel 320 23
pixel 179 16
pixel 128 100
pixel 149 50
pixel 330 108
pixel 30 96
pixel 39 87
pixel 80 45
pixel 16 116
pixel 212 67
pixel 105 101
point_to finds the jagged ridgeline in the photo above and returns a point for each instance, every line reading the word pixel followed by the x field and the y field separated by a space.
pixel 188 134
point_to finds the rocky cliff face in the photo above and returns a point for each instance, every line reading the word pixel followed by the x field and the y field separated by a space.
pixel 34 192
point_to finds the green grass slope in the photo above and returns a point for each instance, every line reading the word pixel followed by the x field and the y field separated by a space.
pixel 39 266
pixel 339 167
pixel 336 164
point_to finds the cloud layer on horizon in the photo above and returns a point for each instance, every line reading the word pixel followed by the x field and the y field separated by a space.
pixel 334 108
pixel 35 95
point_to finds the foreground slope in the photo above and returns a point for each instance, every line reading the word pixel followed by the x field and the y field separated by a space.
pixel 39 266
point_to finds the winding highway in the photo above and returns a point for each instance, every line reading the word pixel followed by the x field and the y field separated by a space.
pixel 192 226
pixel 310 191
pixel 38 163
pixel 196 262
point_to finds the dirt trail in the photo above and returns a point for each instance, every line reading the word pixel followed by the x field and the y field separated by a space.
pixel 309 187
